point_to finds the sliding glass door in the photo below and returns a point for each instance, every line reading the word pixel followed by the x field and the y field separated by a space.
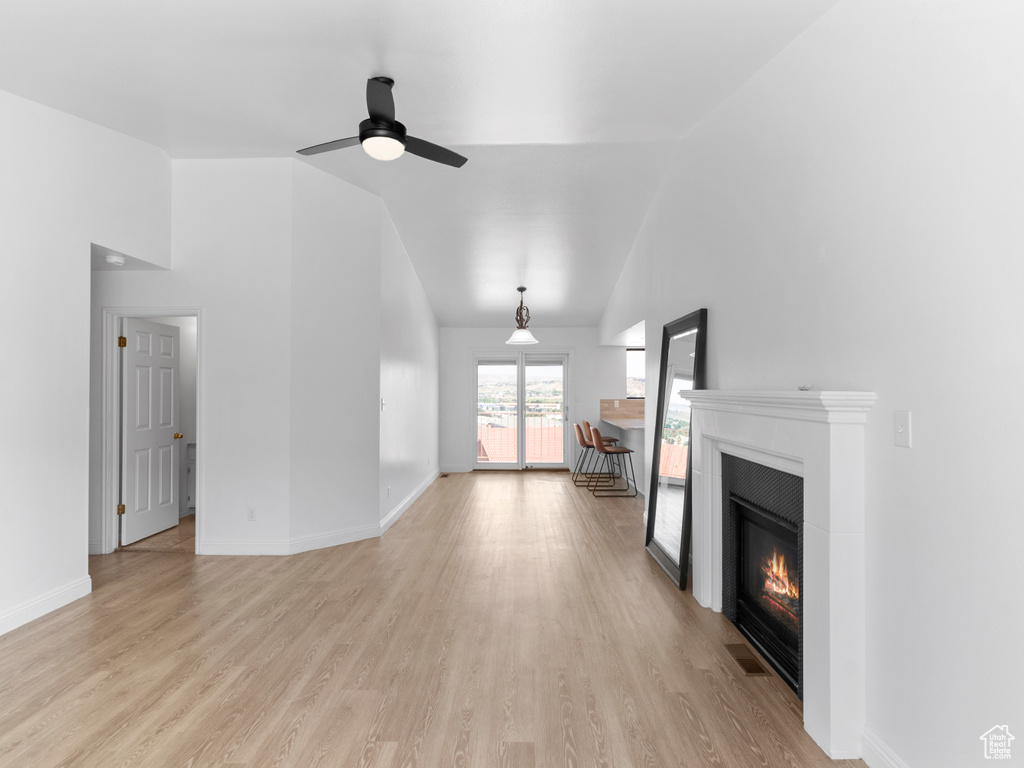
pixel 521 411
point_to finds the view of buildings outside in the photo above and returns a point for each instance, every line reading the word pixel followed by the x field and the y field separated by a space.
pixel 636 372
pixel 497 414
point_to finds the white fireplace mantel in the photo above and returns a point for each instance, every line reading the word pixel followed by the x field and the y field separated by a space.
pixel 818 436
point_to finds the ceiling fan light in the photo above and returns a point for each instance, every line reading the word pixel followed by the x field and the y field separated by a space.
pixel 521 336
pixel 383 147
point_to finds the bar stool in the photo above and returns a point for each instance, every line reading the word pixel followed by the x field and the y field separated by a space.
pixel 608 451
pixel 586 452
pixel 581 474
pixel 587 433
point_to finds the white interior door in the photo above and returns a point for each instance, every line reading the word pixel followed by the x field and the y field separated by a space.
pixel 150 464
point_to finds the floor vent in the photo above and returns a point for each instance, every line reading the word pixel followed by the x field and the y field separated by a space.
pixel 743 656
pixel 444 474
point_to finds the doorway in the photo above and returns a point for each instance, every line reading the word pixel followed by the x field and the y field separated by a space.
pixel 187 453
pixel 520 411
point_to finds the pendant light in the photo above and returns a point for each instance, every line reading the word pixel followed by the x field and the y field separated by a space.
pixel 520 335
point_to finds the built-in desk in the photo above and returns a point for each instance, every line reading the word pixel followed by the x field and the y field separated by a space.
pixel 624 414
pixel 623 423
pixel 625 420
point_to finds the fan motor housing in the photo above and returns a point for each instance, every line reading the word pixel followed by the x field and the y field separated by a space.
pixel 369 128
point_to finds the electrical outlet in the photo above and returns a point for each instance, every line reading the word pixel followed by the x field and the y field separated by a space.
pixel 252 514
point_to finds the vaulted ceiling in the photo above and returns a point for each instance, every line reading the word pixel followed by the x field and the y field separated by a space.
pixel 568 111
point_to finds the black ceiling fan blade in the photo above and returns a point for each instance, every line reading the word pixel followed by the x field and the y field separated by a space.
pixel 380 102
pixel 433 152
pixel 330 145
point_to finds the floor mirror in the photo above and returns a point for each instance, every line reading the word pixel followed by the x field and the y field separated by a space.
pixel 669 518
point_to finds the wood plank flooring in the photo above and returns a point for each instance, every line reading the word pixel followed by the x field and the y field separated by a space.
pixel 508 619
pixel 180 538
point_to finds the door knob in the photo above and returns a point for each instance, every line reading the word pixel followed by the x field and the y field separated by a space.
pixel 178 435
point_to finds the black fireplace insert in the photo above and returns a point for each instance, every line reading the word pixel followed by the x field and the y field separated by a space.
pixel 768 607
pixel 762 561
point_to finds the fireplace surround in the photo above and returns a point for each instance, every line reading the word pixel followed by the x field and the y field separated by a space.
pixel 819 437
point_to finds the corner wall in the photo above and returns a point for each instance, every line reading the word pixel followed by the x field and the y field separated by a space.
pixel 409 381
pixel 232 263
pixel 65 184
pixel 333 361
pixel 308 306
pixel 850 217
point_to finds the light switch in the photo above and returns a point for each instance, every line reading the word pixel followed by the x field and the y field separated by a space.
pixel 901 428
pixel 616 403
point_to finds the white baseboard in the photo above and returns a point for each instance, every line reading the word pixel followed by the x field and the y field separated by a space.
pixel 244 547
pixel 877 754
pixel 324 540
pixel 316 541
pixel 40 606
pixel 96 547
pixel 407 502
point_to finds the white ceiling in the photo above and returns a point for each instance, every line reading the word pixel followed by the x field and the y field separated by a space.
pixel 566 109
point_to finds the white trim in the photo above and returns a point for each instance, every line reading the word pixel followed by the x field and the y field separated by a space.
pixel 325 540
pixel 877 753
pixel 246 547
pixel 109 413
pixel 392 517
pixel 831 407
pixel 31 610
pixel 818 436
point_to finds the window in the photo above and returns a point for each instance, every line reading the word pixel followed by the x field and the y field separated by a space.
pixel 636 372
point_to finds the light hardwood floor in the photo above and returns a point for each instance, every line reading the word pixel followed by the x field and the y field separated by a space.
pixel 180 538
pixel 508 619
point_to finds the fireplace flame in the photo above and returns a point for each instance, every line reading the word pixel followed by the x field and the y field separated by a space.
pixel 777 576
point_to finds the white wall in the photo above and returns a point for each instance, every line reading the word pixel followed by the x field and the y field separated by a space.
pixel 851 219
pixel 308 307
pixel 409 374
pixel 595 372
pixel 334 360
pixel 65 184
pixel 232 262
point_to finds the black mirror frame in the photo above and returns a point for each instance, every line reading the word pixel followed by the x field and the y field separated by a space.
pixel 698 320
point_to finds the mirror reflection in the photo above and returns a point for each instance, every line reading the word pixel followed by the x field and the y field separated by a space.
pixel 668 515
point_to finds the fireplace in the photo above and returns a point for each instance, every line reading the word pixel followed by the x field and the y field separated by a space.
pixel 762 559
pixel 818 439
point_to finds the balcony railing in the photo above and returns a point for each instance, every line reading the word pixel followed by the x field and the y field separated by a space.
pixel 497 435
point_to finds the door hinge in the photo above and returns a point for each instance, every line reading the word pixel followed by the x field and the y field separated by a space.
pixel 122 341
pixel 120 509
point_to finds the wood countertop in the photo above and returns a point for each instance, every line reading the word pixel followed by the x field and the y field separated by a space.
pixel 623 413
pixel 624 423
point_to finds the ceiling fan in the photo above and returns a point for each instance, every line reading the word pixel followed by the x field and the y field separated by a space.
pixel 383 137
